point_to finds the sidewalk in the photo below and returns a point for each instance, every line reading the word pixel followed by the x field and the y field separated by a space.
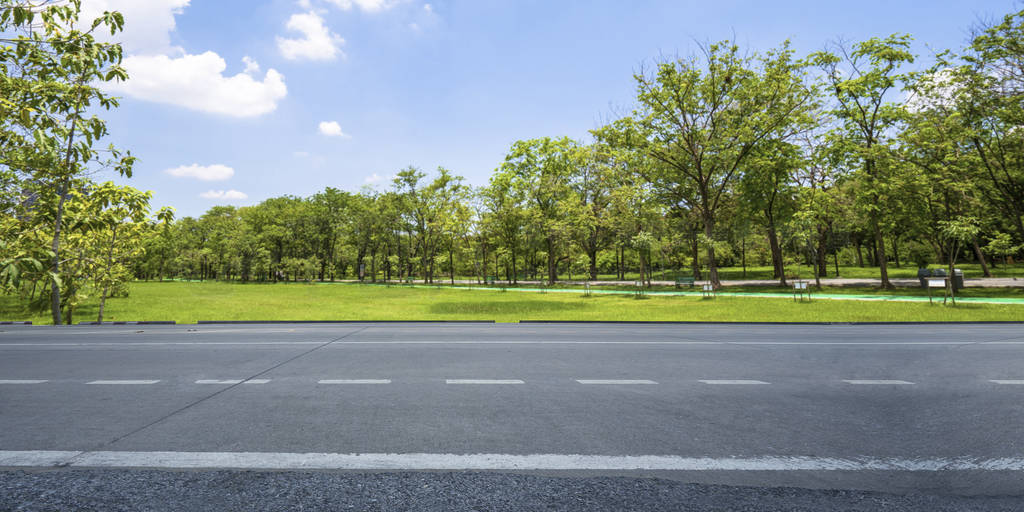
pixel 903 282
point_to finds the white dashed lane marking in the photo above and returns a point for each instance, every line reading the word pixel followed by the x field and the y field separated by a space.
pixel 354 381
pixel 734 382
pixel 878 382
pixel 22 381
pixel 483 381
pixel 615 381
pixel 1009 382
pixel 233 381
pixel 123 382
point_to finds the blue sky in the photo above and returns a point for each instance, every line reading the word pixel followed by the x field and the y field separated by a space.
pixel 441 83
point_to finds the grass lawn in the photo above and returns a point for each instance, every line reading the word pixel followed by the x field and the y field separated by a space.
pixel 188 302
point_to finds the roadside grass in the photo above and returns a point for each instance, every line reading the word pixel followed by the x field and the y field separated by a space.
pixel 189 302
pixel 915 291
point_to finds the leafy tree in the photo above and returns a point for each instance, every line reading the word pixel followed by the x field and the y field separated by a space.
pixel 52 67
pixel 704 117
pixel 862 79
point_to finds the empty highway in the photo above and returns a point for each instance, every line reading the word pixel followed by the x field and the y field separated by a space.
pixel 932 409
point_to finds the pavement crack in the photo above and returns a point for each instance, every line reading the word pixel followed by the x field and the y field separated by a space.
pixel 167 416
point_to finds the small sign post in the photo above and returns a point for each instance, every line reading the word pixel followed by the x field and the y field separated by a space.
pixel 799 289
pixel 708 291
pixel 938 283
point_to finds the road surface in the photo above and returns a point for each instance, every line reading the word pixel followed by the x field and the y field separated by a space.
pixel 935 412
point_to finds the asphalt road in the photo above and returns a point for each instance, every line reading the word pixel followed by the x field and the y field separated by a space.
pixel 934 412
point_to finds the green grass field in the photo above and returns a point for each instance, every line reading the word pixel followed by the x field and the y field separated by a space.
pixel 189 302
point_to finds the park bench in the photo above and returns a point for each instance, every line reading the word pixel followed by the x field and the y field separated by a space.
pixel 680 281
pixel 490 280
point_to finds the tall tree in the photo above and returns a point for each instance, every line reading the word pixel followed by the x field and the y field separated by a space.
pixel 703 118
pixel 862 78
pixel 52 66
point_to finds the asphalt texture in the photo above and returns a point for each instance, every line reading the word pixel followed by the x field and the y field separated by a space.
pixel 893 392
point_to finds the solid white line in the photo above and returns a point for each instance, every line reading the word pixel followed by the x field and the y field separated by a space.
pixel 614 381
pixel 495 461
pixel 483 381
pixel 354 381
pixel 878 382
pixel 22 381
pixel 123 382
pixel 736 382
pixel 1009 382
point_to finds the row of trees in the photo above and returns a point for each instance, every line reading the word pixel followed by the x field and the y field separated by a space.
pixel 726 154
pixel 727 157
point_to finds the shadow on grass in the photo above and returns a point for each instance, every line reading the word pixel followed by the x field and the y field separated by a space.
pixel 503 307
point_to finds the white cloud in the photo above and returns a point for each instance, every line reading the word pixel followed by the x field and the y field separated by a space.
pixel 301 154
pixel 332 129
pixel 429 8
pixel 214 172
pixel 373 178
pixel 223 194
pixel 317 41
pixel 365 5
pixel 415 27
pixel 198 82
pixel 251 66
pixel 147 23
pixel 162 73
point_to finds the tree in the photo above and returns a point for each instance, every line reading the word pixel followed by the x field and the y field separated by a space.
pixel 704 117
pixel 539 171
pixel 862 78
pixel 52 67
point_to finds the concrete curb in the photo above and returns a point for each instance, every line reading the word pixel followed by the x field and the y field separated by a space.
pixel 152 322
pixel 207 322
pixel 709 322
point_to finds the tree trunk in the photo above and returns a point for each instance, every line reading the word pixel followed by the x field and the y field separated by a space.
pixel 776 250
pixel 981 258
pixel 552 271
pixel 695 261
pixel 55 246
pixel 860 257
pixel 110 263
pixel 709 225
pixel 883 265
pixel 592 254
pixel 822 255
pixel 743 255
pixel 896 250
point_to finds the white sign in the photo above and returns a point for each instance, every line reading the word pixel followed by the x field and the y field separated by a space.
pixel 936 283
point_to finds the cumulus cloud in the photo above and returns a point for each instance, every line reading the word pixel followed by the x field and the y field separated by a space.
pixel 162 73
pixel 332 129
pixel 198 82
pixel 365 5
pixel 147 23
pixel 223 194
pixel 317 41
pixel 429 8
pixel 251 66
pixel 214 172
pixel 373 178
